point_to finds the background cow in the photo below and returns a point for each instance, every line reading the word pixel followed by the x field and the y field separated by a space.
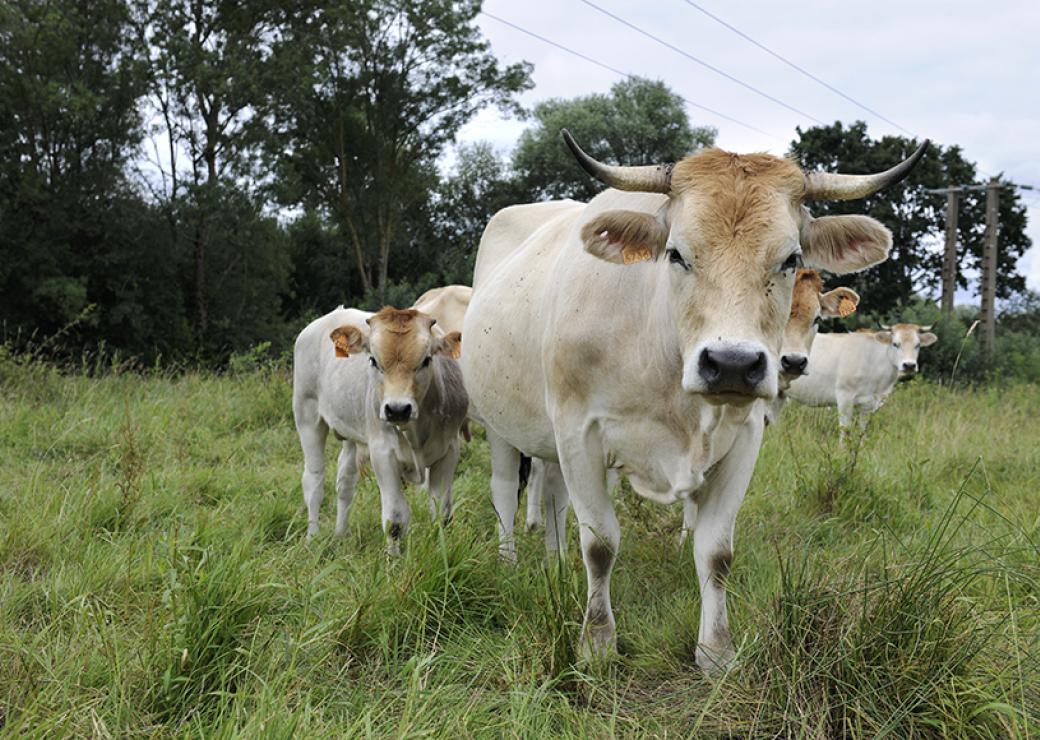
pixel 388 381
pixel 857 371
pixel 637 332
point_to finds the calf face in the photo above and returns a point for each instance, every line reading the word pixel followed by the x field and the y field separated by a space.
pixel 401 345
pixel 808 305
pixel 905 341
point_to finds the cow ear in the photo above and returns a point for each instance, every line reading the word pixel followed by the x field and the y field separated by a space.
pixel 450 345
pixel 348 340
pixel 838 302
pixel 624 237
pixel 842 244
pixel 885 337
pixel 928 339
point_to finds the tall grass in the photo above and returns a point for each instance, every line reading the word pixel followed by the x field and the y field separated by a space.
pixel 155 580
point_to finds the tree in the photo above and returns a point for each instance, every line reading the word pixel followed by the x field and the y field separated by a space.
pixel 916 218
pixel 372 92
pixel 638 122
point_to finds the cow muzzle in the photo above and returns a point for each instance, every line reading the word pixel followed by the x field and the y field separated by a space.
pixel 794 365
pixel 730 371
pixel 398 412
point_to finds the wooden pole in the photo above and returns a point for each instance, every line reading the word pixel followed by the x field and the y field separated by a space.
pixel 989 266
pixel 949 271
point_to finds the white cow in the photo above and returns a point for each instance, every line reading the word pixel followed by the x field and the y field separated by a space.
pixel 384 380
pixel 637 332
pixel 857 371
pixel 447 305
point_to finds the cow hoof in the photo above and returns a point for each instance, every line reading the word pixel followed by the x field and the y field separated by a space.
pixel 393 549
pixel 598 643
pixel 715 661
pixel 507 555
pixel 532 527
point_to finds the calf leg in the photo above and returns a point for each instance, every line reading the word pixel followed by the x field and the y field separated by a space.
pixel 505 481
pixel 346 481
pixel 396 512
pixel 313 431
pixel 719 501
pixel 689 520
pixel 555 499
pixel 440 475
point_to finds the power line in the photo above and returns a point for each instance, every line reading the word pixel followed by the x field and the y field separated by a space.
pixel 627 75
pixel 703 63
pixel 794 66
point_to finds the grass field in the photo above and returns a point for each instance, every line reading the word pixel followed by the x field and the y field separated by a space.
pixel 154 580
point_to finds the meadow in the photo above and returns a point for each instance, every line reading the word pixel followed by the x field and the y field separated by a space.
pixel 155 581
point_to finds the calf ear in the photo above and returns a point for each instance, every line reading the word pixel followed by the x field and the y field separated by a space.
pixel 928 339
pixel 843 244
pixel 348 340
pixel 885 337
pixel 839 302
pixel 624 237
pixel 450 345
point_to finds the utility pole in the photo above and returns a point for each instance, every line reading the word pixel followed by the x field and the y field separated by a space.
pixel 949 270
pixel 989 266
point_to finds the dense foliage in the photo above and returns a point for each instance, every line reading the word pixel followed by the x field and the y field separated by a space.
pixel 190 179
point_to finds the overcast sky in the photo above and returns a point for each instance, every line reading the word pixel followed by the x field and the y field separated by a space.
pixel 956 72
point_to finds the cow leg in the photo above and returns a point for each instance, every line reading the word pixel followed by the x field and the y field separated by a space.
pixel 718 503
pixel 535 495
pixel 396 512
pixel 585 476
pixel 440 475
pixel 313 431
pixel 555 499
pixel 505 481
pixel 846 415
pixel 689 520
pixel 346 480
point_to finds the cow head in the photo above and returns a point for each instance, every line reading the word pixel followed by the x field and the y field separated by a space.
pixel 808 305
pixel 904 341
pixel 728 241
pixel 401 346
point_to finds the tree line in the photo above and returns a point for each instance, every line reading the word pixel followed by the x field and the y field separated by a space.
pixel 186 179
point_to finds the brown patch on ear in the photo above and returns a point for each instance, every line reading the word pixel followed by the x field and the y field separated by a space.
pixel 839 302
pixel 844 244
pixel 451 345
pixel 624 237
pixel 348 340
pixel 846 306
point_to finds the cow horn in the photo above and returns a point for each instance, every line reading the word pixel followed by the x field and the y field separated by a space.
pixel 926 328
pixel 886 327
pixel 828 186
pixel 654 178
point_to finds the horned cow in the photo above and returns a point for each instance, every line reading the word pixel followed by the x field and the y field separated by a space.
pixel 637 333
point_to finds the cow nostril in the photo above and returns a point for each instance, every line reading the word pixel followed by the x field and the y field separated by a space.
pixel 707 367
pixel 757 371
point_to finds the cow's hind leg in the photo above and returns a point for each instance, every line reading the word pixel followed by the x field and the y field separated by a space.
pixel 313 431
pixel 689 521
pixel 555 500
pixel 440 476
pixel 505 481
pixel 346 481
pixel 719 501
pixel 535 495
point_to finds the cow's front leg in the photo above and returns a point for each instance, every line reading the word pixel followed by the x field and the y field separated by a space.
pixel 718 503
pixel 505 483
pixel 585 476
pixel 440 476
pixel 535 495
pixel 346 480
pixel 689 520
pixel 396 512
pixel 555 500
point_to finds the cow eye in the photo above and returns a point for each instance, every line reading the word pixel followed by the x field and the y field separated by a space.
pixel 792 262
pixel 427 361
pixel 373 363
pixel 677 259
pixel 816 321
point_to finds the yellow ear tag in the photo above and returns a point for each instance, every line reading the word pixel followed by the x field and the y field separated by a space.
pixel 631 253
pixel 846 306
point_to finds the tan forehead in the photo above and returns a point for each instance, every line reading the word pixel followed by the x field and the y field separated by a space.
pixel 905 331
pixel 400 337
pixel 805 298
pixel 739 195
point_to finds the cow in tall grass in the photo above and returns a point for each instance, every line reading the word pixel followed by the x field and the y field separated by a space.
pixel 638 331
pixel 391 382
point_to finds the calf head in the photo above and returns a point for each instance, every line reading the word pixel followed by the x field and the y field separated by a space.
pixel 727 242
pixel 401 345
pixel 809 304
pixel 904 341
